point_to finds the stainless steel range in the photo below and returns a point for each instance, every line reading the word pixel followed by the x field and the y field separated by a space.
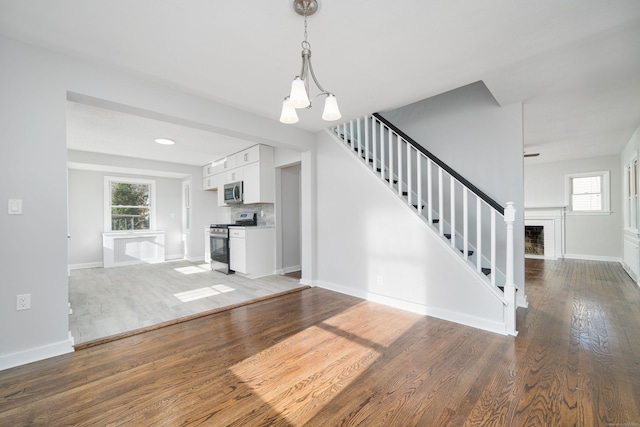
pixel 219 241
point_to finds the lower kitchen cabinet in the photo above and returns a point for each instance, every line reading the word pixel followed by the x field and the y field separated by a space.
pixel 252 251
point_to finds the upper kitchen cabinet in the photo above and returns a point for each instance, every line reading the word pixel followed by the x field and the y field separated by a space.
pixel 208 170
pixel 257 153
pixel 259 183
pixel 227 163
pixel 253 166
pixel 210 182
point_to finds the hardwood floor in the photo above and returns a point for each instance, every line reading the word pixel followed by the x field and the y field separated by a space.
pixel 120 301
pixel 315 357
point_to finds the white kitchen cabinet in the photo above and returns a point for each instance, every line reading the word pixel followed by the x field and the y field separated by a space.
pixel 214 168
pixel 208 170
pixel 233 175
pixel 238 250
pixel 210 183
pixel 207 245
pixel 257 153
pixel 252 251
pixel 259 183
pixel 254 166
pixel 221 178
pixel 229 163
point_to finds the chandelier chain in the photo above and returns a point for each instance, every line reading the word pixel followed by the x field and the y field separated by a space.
pixel 305 28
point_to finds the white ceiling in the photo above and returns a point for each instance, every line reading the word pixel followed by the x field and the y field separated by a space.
pixel 575 64
pixel 104 130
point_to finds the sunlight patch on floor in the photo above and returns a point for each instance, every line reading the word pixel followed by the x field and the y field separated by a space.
pixel 193 269
pixel 283 386
pixel 196 294
pixel 351 338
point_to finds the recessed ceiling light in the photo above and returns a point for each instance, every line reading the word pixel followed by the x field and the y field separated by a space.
pixel 165 141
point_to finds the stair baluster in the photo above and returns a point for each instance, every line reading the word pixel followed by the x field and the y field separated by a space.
pixel 389 152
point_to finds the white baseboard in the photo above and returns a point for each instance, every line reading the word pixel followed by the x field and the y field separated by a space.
pixel 540 256
pixel 630 272
pixel 593 258
pixel 286 270
pixel 195 258
pixel 85 265
pixel 461 318
pixel 521 300
pixel 35 354
pixel 174 257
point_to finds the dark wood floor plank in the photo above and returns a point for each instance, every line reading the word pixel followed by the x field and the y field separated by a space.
pixel 316 357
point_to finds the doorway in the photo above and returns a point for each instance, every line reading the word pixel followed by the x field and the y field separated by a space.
pixel 288 218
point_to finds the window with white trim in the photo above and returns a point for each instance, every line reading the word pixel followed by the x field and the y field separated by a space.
pixel 588 192
pixel 129 204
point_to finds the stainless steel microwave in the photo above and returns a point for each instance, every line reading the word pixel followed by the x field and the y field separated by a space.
pixel 233 193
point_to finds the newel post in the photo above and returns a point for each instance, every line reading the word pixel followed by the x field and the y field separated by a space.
pixel 509 286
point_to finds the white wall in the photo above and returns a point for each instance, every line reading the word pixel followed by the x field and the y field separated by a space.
pixel 34 245
pixel 86 218
pixel 586 236
pixel 34 84
pixel 479 139
pixel 204 209
pixel 86 208
pixel 290 211
pixel 370 244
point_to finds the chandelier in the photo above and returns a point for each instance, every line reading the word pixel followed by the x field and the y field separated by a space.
pixel 299 96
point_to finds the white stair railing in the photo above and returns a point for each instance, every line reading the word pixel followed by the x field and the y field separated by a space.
pixel 453 207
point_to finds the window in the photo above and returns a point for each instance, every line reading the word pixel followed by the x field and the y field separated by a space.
pixel 588 192
pixel 129 204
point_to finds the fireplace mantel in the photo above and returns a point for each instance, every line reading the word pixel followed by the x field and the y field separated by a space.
pixel 552 219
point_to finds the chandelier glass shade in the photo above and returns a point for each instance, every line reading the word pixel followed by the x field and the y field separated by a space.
pixel 299 96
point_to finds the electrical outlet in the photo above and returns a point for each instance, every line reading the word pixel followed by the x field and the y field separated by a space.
pixel 23 302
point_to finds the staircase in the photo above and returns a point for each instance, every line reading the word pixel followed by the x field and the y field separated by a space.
pixel 476 228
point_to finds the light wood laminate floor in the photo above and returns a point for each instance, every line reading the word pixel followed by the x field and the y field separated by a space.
pixel 108 302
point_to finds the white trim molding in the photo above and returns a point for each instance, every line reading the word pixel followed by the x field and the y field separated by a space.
pixel 552 218
pixel 594 258
pixel 605 192
pixel 440 313
pixel 107 199
pixel 35 354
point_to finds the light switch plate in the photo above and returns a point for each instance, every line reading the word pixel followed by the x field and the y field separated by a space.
pixel 15 207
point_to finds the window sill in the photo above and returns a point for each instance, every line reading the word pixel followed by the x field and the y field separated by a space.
pixel 588 213
pixel 127 233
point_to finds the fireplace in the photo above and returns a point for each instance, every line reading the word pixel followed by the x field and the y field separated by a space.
pixel 544 232
pixel 534 240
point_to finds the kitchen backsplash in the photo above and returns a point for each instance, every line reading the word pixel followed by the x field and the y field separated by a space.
pixel 264 211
